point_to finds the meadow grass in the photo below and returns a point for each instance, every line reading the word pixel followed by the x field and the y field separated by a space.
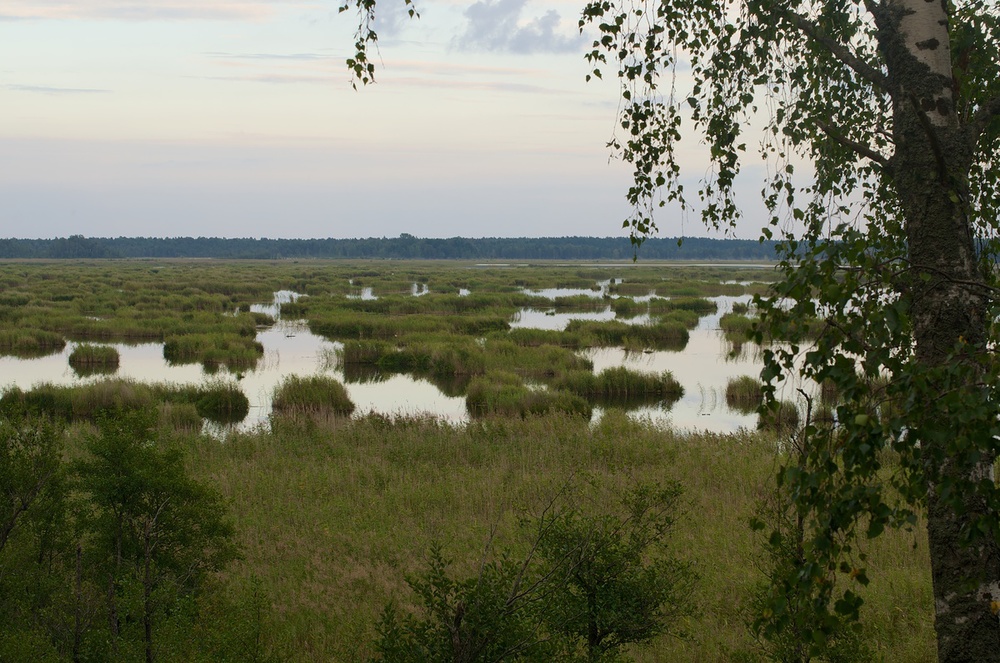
pixel 333 518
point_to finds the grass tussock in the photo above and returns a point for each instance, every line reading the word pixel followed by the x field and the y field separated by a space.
pixel 29 343
pixel 213 350
pixel 219 401
pixel 781 418
pixel 665 335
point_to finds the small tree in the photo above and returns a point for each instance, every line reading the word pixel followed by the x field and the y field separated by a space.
pixel 588 586
pixel 147 522
pixel 617 583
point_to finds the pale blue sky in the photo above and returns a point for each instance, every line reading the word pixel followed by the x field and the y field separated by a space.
pixel 236 118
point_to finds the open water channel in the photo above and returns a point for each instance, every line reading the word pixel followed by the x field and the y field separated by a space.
pixel 703 368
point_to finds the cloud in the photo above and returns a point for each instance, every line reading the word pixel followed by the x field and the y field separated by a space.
pixel 44 89
pixel 496 25
pixel 146 10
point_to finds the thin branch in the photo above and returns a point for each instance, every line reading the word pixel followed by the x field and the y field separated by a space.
pixel 858 148
pixel 838 50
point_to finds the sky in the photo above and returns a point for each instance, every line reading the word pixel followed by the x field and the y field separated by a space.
pixel 237 118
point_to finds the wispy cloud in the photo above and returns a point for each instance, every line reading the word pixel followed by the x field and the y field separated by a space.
pixel 147 10
pixel 46 89
pixel 496 25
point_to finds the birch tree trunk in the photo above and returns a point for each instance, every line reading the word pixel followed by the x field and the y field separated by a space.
pixel 932 158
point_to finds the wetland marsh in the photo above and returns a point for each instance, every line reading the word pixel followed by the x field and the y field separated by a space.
pixel 256 324
pixel 354 415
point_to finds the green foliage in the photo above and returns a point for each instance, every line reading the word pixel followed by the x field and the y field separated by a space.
pixel 29 465
pixel 888 248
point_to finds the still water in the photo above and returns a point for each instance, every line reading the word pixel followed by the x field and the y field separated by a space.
pixel 703 369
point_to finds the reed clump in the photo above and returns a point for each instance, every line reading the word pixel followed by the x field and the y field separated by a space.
pixel 312 395
pixel 30 342
pixel 87 359
pixel 665 335
pixel 781 418
pixel 213 350
pixel 744 394
pixel 505 395
pixel 621 387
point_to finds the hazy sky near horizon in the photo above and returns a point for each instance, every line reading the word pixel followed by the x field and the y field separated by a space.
pixel 236 118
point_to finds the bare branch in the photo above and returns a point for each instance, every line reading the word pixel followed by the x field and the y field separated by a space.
pixel 858 148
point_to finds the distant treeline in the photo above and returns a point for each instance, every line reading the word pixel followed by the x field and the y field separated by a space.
pixel 403 247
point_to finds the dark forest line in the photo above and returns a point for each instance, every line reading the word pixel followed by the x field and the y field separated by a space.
pixel 403 247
